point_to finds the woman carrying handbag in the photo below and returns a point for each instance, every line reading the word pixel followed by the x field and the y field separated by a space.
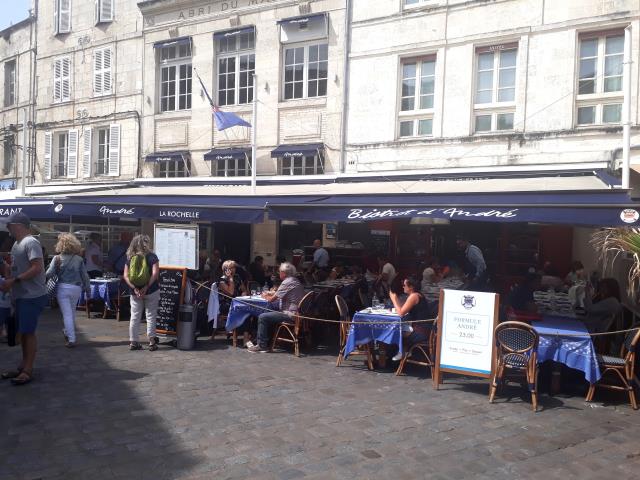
pixel 71 271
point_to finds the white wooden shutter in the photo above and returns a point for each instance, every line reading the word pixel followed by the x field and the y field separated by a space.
pixel 57 80
pixel 106 71
pixel 66 79
pixel 86 153
pixel 114 150
pixel 106 10
pixel 72 154
pixel 56 15
pixel 64 16
pixel 48 137
pixel 97 71
pixel 102 71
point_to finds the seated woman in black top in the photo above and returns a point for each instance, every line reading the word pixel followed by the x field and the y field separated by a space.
pixel 415 307
pixel 230 286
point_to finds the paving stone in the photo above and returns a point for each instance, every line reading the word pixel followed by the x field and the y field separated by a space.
pixel 101 411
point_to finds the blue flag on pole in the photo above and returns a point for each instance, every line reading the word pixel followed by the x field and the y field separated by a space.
pixel 223 120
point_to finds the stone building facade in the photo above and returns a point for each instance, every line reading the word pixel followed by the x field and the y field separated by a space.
pixel 17 52
pixel 90 92
pixel 488 85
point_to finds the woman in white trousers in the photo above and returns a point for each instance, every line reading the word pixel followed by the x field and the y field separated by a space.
pixel 145 290
pixel 69 266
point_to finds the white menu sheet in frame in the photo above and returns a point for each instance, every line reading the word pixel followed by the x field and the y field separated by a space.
pixel 177 245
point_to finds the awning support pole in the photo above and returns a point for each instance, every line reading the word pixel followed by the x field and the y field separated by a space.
pixel 254 136
pixel 626 110
pixel 24 151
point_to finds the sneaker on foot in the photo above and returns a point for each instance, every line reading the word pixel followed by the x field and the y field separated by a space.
pixel 257 349
pixel 249 344
pixel 397 357
pixel 135 346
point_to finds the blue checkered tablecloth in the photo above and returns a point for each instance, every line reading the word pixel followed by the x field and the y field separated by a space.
pixel 242 308
pixel 389 332
pixel 558 342
pixel 105 290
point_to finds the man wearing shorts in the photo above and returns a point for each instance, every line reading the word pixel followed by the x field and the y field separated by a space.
pixel 28 288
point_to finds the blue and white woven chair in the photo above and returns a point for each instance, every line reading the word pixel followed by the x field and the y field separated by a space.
pixel 620 367
pixel 516 353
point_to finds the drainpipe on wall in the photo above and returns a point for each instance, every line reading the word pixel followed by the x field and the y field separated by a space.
pixel 345 86
pixel 626 110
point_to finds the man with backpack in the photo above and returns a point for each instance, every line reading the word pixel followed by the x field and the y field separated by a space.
pixel 141 273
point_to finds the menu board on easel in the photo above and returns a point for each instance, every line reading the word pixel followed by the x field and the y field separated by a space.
pixel 177 245
pixel 173 282
pixel 465 343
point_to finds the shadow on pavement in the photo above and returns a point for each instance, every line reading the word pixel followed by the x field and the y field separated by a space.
pixel 88 414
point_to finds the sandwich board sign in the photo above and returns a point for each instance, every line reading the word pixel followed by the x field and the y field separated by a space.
pixel 465 343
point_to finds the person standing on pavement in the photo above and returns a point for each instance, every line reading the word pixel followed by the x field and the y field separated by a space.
pixel 27 285
pixel 5 301
pixel 477 276
pixel 320 255
pixel 93 255
pixel 117 256
pixel 141 273
pixel 69 266
pixel 289 293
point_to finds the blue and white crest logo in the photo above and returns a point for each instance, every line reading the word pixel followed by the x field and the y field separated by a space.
pixel 468 301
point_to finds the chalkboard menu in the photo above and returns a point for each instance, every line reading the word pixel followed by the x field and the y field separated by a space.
pixel 172 286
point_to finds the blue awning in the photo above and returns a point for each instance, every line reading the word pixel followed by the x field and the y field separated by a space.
pixel 227 153
pixel 233 32
pixel 597 208
pixel 179 156
pixel 37 209
pixel 171 42
pixel 178 208
pixel 301 18
pixel 297 150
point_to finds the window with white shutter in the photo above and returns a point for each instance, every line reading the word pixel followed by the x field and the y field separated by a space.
pixel 62 79
pixel 72 155
pixel 102 71
pixel 62 16
pixel 48 145
pixel 104 11
pixel 86 153
pixel 114 150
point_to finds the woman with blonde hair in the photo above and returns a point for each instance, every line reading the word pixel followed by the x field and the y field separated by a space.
pixel 141 273
pixel 72 274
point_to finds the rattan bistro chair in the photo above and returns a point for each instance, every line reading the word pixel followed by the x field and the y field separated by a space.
pixel 621 366
pixel 345 326
pixel 290 332
pixel 421 353
pixel 516 352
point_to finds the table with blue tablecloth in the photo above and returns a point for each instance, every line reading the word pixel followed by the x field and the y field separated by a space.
pixel 379 325
pixel 103 289
pixel 242 308
pixel 567 341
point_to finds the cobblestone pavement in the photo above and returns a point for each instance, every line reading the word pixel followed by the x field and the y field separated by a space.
pixel 101 411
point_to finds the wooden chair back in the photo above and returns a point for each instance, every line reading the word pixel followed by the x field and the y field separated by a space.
pixel 343 309
pixel 516 337
pixel 629 345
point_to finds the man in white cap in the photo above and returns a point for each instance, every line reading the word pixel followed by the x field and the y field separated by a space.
pixel 28 287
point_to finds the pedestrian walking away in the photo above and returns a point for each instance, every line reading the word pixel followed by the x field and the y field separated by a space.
pixel 73 278
pixel 27 285
pixel 141 273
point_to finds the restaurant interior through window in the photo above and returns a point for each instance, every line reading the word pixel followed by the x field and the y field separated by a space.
pixel 510 250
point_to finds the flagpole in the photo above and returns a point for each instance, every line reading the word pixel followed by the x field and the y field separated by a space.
pixel 254 144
